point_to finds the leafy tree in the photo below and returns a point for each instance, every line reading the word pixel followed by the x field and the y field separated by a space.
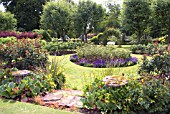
pixel 162 16
pixel 136 16
pixel 112 17
pixel 88 15
pixel 57 17
pixel 27 12
pixel 7 21
pixel 114 13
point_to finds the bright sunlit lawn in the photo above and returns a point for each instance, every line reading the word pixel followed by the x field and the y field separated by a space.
pixel 12 107
pixel 78 76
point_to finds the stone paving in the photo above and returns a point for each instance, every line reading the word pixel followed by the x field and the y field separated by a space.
pixel 65 98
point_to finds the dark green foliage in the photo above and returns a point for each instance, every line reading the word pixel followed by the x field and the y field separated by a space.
pixel 27 12
pixel 7 21
pixel 136 16
pixel 109 33
pixel 162 16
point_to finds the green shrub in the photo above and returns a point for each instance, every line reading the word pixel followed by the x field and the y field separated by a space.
pixel 97 39
pixel 45 34
pixel 61 46
pixel 109 33
pixel 101 52
pixel 23 54
pixel 6 40
pixel 161 40
pixel 152 97
pixel 159 64
pixel 7 21
pixel 149 49
pixel 121 53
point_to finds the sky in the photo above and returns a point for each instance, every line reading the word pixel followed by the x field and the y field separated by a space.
pixel 76 1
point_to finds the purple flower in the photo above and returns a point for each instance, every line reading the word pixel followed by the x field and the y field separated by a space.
pixel 134 60
pixel 118 62
pixel 99 63
pixel 74 58
pixel 83 62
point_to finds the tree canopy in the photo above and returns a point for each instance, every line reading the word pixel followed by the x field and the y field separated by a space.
pixel 27 12
pixel 57 17
pixel 7 21
pixel 136 16
pixel 162 16
pixel 87 16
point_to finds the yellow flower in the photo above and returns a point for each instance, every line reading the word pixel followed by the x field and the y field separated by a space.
pixel 142 80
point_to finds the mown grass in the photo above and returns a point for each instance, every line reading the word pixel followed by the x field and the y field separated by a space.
pixel 78 76
pixel 12 107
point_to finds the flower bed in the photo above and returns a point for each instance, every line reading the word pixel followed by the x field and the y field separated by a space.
pixel 101 63
pixel 103 57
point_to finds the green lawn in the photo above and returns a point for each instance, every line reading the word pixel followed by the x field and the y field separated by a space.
pixel 11 107
pixel 77 76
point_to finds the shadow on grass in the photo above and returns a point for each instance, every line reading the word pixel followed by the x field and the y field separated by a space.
pixel 7 100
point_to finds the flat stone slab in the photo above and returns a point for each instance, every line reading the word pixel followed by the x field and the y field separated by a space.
pixel 52 97
pixel 66 98
pixel 21 73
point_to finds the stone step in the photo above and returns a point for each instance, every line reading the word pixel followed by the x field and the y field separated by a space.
pixel 65 98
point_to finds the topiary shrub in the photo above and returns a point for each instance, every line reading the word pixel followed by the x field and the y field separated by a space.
pixel 97 39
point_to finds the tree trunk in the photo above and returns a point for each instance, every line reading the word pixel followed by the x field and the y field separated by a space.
pixel 63 36
pixel 85 35
pixel 85 38
pixel 123 37
pixel 139 36
pixel 168 39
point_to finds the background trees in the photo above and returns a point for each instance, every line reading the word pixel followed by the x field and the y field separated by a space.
pixel 139 17
pixel 7 21
pixel 57 17
pixel 136 14
pixel 162 16
pixel 27 12
pixel 87 16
